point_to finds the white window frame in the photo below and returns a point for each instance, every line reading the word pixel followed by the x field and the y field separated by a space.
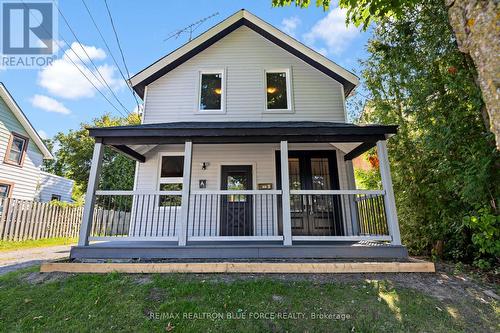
pixel 289 94
pixel 168 180
pixel 222 72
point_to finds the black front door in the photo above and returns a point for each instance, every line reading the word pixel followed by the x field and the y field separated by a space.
pixel 314 214
pixel 236 209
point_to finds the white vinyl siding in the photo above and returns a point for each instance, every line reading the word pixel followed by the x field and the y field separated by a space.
pixel 25 178
pixel 51 184
pixel 245 55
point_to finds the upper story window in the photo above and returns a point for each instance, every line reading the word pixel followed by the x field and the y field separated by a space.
pixel 278 90
pixel 211 91
pixel 16 150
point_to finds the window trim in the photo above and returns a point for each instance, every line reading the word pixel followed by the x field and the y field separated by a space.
pixel 222 110
pixel 10 185
pixel 167 180
pixel 289 95
pixel 9 146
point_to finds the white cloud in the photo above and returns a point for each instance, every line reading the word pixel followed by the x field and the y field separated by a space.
pixel 332 31
pixel 49 104
pixel 43 134
pixel 289 25
pixel 81 52
pixel 63 79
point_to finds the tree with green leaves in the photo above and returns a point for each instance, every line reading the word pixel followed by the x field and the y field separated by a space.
pixel 474 24
pixel 444 162
pixel 73 157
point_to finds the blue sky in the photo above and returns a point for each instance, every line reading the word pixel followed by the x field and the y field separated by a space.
pixel 59 98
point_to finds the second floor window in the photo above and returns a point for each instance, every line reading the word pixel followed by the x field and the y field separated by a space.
pixel 278 90
pixel 16 149
pixel 211 91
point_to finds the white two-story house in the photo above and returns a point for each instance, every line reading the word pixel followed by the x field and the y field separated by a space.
pixel 22 152
pixel 244 151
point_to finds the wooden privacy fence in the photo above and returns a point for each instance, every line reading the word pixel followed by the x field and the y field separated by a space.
pixel 23 220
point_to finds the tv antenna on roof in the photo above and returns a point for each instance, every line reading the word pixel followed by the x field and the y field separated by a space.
pixel 189 29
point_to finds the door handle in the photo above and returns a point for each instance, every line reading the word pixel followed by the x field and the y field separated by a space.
pixel 311 208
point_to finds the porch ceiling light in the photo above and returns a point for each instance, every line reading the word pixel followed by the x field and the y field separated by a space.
pixel 218 91
pixel 272 90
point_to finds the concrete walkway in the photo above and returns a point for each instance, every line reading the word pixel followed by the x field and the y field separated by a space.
pixel 14 260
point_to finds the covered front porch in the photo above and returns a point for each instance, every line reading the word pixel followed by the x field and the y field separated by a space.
pixel 241 190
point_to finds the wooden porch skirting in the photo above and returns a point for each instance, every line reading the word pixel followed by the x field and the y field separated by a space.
pixel 243 267
pixel 160 250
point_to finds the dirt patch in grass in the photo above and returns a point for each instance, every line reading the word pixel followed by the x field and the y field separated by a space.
pixel 157 294
pixel 34 278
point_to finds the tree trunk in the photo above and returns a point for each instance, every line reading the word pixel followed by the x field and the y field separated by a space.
pixel 476 24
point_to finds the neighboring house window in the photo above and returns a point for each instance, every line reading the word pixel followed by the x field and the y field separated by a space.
pixel 278 91
pixel 16 149
pixel 55 197
pixel 171 173
pixel 5 190
pixel 211 91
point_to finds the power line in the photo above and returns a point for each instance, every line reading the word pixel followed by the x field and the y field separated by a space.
pixel 77 67
pixel 90 59
pixel 116 37
pixel 110 53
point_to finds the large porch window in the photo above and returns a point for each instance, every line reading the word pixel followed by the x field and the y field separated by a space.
pixel 171 176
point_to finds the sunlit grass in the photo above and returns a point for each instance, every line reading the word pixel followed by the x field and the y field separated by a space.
pixel 30 301
pixel 26 244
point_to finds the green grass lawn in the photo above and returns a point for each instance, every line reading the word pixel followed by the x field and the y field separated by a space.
pixel 20 245
pixel 30 301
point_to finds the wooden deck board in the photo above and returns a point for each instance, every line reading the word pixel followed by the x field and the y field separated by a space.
pixel 242 267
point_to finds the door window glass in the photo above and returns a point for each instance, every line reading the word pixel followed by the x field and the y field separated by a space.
pixel 320 173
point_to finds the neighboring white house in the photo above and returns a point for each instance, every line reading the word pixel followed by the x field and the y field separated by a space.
pixel 244 151
pixel 22 152
pixel 53 187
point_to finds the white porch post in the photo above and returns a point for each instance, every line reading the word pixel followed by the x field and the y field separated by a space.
pixel 88 210
pixel 389 200
pixel 351 181
pixel 186 187
pixel 285 196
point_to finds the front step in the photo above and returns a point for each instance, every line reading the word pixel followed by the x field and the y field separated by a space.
pixel 243 267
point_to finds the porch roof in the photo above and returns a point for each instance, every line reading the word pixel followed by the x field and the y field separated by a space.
pixel 122 137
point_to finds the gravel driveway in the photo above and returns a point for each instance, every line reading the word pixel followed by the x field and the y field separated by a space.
pixel 13 260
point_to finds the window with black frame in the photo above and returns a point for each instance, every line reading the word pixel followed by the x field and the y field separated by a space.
pixel 211 91
pixel 277 90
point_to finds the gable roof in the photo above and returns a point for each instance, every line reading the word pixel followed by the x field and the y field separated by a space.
pixel 21 117
pixel 219 31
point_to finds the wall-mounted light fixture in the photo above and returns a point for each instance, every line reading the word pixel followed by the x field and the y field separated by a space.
pixel 204 165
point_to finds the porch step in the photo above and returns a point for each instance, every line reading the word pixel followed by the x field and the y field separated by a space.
pixel 155 250
pixel 243 267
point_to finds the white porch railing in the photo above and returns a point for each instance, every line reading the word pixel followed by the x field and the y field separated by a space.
pixel 234 215
pixel 133 215
pixel 338 215
pixel 250 215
